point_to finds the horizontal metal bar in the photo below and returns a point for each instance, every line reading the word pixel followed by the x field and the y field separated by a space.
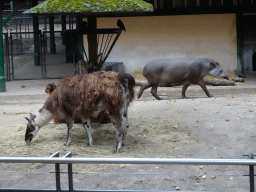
pixel 184 161
pixel 79 190
pixel 63 172
pixel 28 190
pixel 13 33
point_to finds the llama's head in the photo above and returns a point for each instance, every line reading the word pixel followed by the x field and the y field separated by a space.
pixel 32 128
pixel 50 88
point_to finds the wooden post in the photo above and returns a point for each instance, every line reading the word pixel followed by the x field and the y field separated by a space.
pixel 155 5
pixel 63 23
pixel 92 42
pixel 36 37
pixel 161 4
pixel 63 26
pixel 239 31
pixel 80 40
pixel 52 39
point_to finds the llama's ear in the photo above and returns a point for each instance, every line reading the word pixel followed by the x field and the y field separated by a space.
pixel 31 116
pixel 29 120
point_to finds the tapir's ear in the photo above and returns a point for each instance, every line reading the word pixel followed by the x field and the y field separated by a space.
pixel 212 64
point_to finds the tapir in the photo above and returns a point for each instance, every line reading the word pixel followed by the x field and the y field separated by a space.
pixel 178 71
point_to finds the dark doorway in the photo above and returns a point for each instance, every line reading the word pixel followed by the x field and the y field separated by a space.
pixel 249 42
pixel 254 61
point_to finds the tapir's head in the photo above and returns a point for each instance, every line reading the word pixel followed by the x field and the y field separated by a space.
pixel 216 71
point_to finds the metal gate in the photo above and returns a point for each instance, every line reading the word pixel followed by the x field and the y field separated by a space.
pixel 19 57
pixel 54 65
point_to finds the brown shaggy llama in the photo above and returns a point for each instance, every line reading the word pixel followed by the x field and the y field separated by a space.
pixel 102 117
pixel 84 97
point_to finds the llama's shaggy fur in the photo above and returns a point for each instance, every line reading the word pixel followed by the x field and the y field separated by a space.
pixel 103 117
pixel 84 97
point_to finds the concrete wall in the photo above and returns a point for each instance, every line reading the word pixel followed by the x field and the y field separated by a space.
pixel 147 38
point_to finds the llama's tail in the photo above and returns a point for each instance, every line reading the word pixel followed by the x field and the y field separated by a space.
pixel 129 79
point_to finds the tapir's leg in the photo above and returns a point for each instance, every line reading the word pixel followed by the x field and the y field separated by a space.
pixel 202 85
pixel 154 91
pixel 142 88
pixel 184 88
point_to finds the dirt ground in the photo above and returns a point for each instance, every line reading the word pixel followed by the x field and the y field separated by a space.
pixel 197 127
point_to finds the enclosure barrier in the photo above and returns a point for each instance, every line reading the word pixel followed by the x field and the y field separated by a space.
pixel 66 159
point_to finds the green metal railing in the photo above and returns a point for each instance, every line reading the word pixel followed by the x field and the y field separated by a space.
pixel 2 24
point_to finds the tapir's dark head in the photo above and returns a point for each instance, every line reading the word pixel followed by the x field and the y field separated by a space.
pixel 216 71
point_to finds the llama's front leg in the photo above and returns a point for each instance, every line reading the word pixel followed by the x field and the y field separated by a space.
pixel 69 125
pixel 87 127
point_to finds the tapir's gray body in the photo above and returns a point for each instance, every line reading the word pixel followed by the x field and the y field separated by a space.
pixel 180 71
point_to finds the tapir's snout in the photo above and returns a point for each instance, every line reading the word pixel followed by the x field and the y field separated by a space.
pixel 217 72
pixel 224 75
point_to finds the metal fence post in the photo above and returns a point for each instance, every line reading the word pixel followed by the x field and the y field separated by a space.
pixel 251 173
pixel 7 57
pixel 70 172
pixel 11 55
pixel 57 172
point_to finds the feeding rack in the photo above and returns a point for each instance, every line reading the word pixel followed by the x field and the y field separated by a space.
pixel 99 45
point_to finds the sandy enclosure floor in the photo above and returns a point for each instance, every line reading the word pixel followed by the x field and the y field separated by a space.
pixel 198 127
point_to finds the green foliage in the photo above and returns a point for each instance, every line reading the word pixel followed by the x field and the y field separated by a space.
pixel 66 6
